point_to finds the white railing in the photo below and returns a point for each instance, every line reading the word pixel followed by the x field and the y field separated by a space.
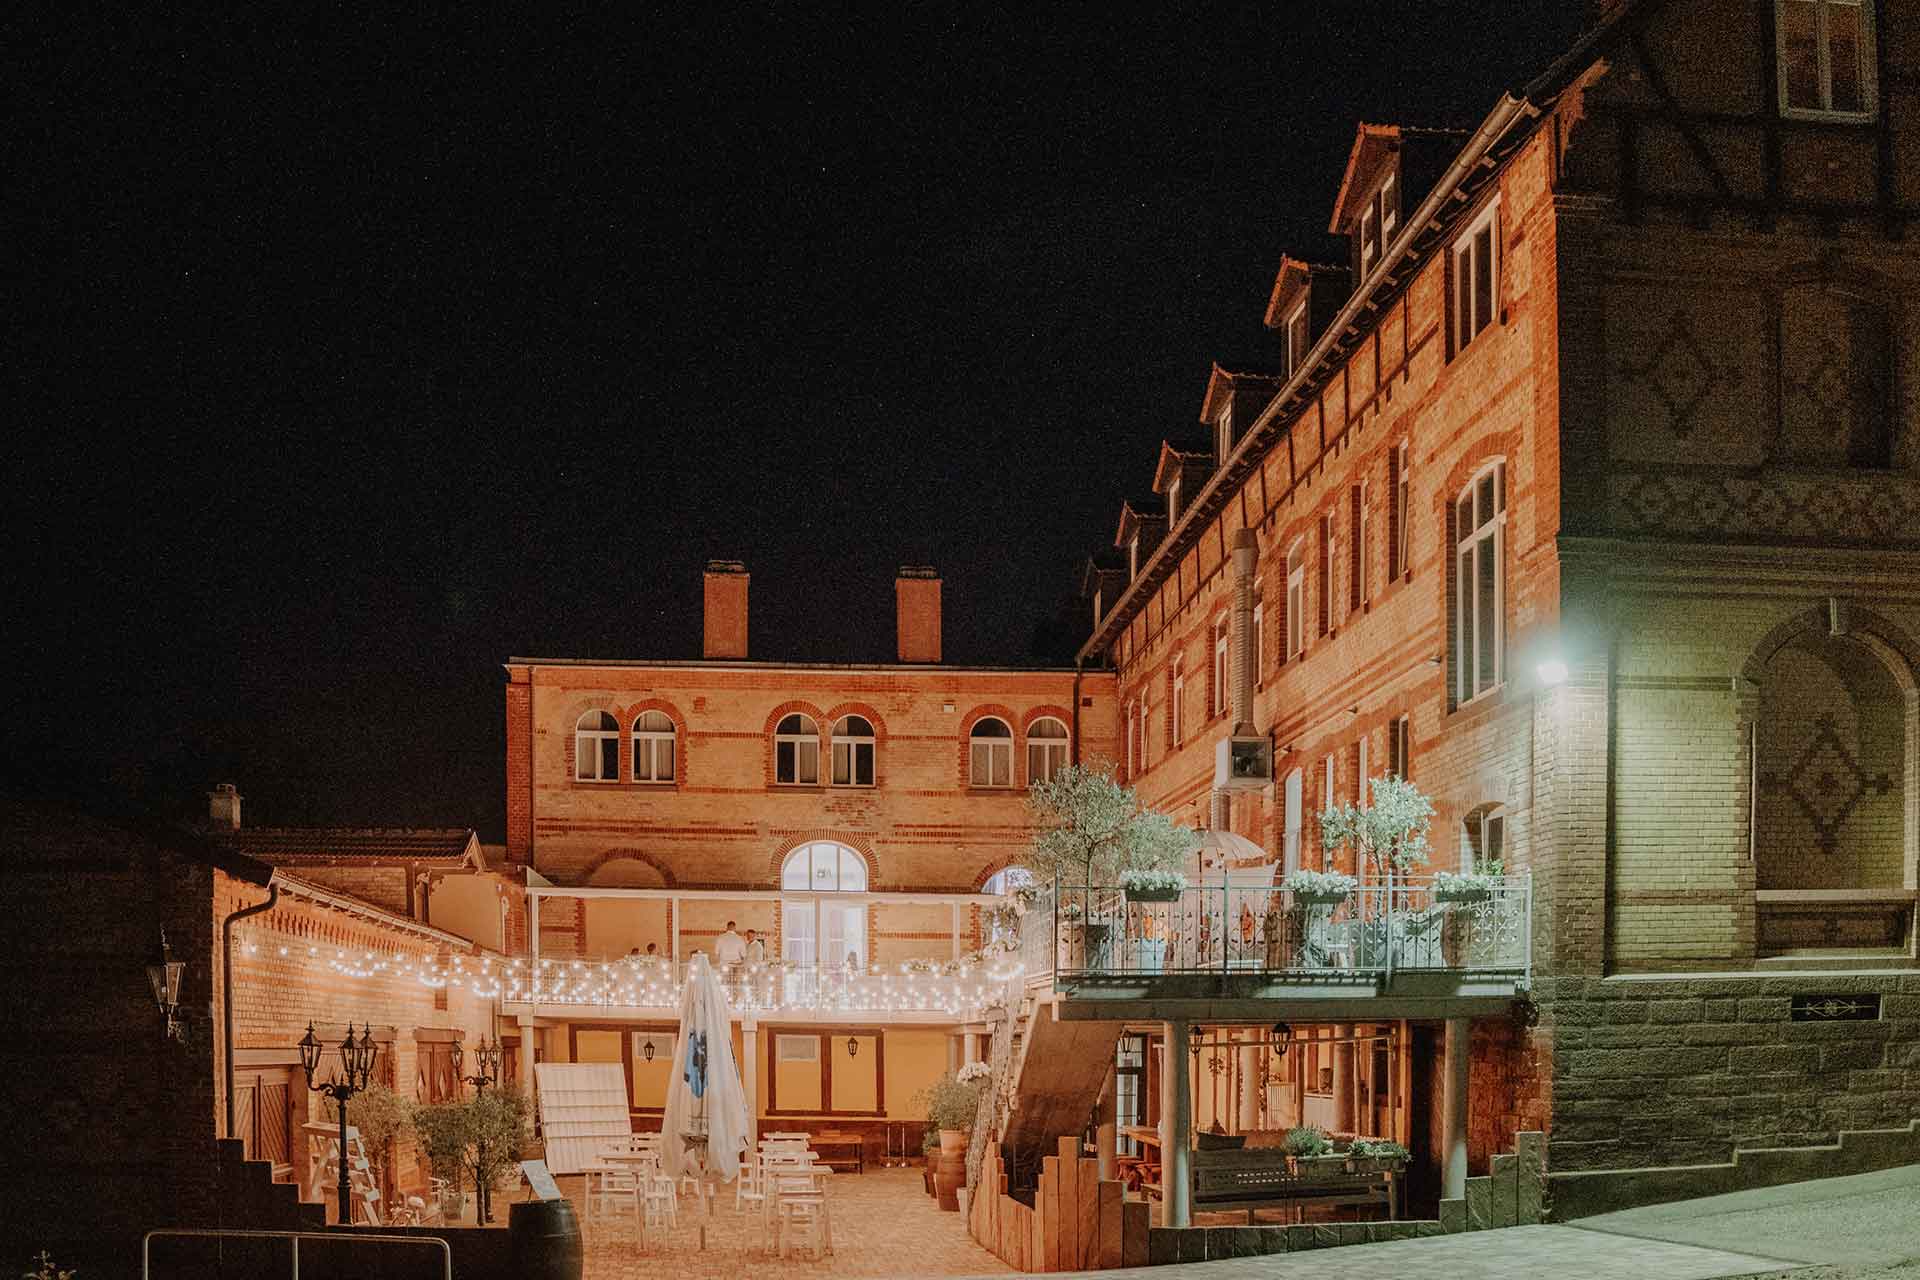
pixel 1378 929
pixel 918 986
pixel 355 1239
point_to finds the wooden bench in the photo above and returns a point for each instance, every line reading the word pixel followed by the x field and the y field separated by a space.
pixel 1261 1179
pixel 838 1148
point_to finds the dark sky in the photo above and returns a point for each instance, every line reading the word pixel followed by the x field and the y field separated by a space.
pixel 351 352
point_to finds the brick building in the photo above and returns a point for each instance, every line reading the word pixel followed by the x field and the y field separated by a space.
pixel 1584 495
pixel 853 818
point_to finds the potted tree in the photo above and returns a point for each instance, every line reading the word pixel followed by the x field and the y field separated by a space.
pixel 498 1120
pixel 442 1131
pixel 953 1102
pixel 1090 831
pixel 1388 839
pixel 1311 897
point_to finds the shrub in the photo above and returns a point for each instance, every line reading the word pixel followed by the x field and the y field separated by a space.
pixel 1306 1141
pixel 952 1104
pixel 380 1114
pixel 442 1131
pixel 1378 1149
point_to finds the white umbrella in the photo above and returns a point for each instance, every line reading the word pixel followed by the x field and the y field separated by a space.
pixel 1225 860
pixel 705 1127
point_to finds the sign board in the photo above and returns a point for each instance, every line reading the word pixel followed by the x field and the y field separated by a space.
pixel 544 1187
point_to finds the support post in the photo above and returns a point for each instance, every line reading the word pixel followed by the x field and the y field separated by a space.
pixel 1106 1127
pixel 1251 1090
pixel 673 940
pixel 1343 1099
pixel 1174 1154
pixel 749 1049
pixel 1453 1106
pixel 523 1064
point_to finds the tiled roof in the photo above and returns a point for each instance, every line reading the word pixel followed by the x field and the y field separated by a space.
pixel 284 846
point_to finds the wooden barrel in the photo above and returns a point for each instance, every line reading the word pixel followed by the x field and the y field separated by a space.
pixel 545 1238
pixel 949 1175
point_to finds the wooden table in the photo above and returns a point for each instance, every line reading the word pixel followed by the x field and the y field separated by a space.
pixel 852 1146
pixel 1141 1172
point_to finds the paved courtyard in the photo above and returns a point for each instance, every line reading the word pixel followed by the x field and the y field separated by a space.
pixel 884 1224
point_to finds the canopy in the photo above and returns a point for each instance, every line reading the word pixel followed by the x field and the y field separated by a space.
pixel 705 1127
pixel 1223 858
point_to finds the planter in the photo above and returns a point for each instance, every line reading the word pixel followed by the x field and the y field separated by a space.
pixel 952 1140
pixel 1153 895
pixel 950 1169
pixel 1464 895
pixel 1319 1166
pixel 1457 939
pixel 1317 899
pixel 1376 1164
pixel 453 1206
pixel 927 1173
pixel 1147 955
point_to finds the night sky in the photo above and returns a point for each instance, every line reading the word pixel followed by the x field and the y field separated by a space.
pixel 350 353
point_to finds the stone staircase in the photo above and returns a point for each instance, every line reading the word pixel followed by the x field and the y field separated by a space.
pixel 254 1201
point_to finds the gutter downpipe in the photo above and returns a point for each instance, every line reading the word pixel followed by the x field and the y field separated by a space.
pixel 1491 130
pixel 1074 746
pixel 226 990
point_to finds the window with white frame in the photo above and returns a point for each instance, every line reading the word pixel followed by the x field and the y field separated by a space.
pixel 1297 338
pixel 1378 221
pixel 1483 837
pixel 1827 64
pixel 1259 630
pixel 1360 517
pixel 1327 800
pixel 1402 511
pixel 1223 434
pixel 1132 727
pixel 1146 725
pixel 653 747
pixel 1177 706
pixel 990 754
pixel 1476 276
pixel 596 747
pixel 1173 501
pixel 1046 749
pixel 1364 771
pixel 853 752
pixel 1133 556
pixel 1400 747
pixel 824 867
pixel 1479 596
pixel 1329 577
pixel 1296 600
pixel 1220 656
pixel 796 752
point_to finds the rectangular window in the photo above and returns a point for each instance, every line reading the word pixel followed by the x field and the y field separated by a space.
pixel 1329 552
pixel 1177 708
pixel 1400 748
pixel 992 762
pixel 1827 65
pixel 797 1048
pixel 1259 631
pixel 1389 208
pixel 1327 802
pixel 1479 586
pixel 1223 434
pixel 1220 666
pixel 1297 339
pixel 797 761
pixel 1362 772
pixel 1132 769
pixel 434 1061
pixel 853 764
pixel 1296 601
pixel 1359 546
pixel 1369 238
pixel 1398 563
pixel 1173 502
pixel 1476 274
pixel 1146 726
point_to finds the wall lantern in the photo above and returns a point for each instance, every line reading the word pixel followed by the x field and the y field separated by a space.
pixel 164 976
pixel 853 1047
pixel 646 1050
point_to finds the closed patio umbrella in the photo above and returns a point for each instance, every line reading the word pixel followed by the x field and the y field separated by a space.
pixel 705 1127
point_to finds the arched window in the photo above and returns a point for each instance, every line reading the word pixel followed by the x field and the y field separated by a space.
pixel 596 747
pixel 1479 593
pixel 1007 879
pixel 1046 749
pixel 824 867
pixel 991 754
pixel 853 752
pixel 796 752
pixel 1483 837
pixel 653 747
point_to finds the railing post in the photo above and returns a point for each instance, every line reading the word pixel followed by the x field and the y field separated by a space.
pixel 1226 924
pixel 296 1258
pixel 1391 944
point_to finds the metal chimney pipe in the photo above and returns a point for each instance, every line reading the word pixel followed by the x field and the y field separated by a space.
pixel 1245 551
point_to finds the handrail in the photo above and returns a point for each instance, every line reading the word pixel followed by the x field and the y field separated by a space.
pixel 225 1233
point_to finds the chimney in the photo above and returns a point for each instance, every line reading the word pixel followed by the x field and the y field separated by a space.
pixel 916 590
pixel 223 807
pixel 726 606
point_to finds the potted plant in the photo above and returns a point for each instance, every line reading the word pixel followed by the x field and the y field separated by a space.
pixel 1377 1155
pixel 1319 888
pixel 1153 884
pixel 1310 1150
pixel 442 1131
pixel 953 1102
pixel 498 1120
pixel 1474 885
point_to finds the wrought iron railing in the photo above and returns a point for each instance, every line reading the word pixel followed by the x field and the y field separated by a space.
pixel 1383 928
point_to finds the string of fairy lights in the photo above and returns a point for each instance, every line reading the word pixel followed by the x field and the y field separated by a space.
pixel 959 988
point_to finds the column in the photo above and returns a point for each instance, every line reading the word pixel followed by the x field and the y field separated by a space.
pixel 523 1067
pixel 1299 1058
pixel 954 1058
pixel 1453 1109
pixel 1343 1099
pixel 953 913
pixel 1177 1131
pixel 969 1047
pixel 673 940
pixel 1251 1060
pixel 750 1080
pixel 1105 1131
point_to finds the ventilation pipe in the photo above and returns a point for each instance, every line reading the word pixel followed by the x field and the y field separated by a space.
pixel 1241 672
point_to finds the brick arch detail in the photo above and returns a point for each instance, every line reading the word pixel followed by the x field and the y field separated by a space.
pixel 1495 446
pixel 985 711
pixel 995 867
pixel 570 721
pixel 859 843
pixel 873 718
pixel 1060 713
pixel 631 714
pixel 1886 638
pixel 774 717
pixel 627 855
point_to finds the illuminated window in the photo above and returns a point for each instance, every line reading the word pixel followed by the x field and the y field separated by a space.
pixel 1329 575
pixel 1177 708
pixel 1259 630
pixel 1298 342
pixel 1220 664
pixel 653 747
pixel 853 752
pixel 1483 837
pixel 1479 594
pixel 1826 59
pixel 1476 276
pixel 1296 600
pixel 1046 749
pixel 796 752
pixel 1401 481
pixel 824 867
pixel 1360 515
pixel 1146 727
pixel 990 754
pixel 596 748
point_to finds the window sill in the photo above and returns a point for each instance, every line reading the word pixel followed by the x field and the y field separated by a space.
pixel 853 786
pixel 794 786
pixel 978 789
pixel 1818 115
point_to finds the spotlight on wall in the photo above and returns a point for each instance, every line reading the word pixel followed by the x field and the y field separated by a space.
pixel 164 976
pixel 1552 672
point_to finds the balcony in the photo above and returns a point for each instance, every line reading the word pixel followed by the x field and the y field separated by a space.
pixel 1387 950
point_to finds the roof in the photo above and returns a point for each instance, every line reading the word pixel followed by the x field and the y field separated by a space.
pixel 1223 381
pixel 292 846
pixel 1371 144
pixel 1133 513
pixel 1175 457
pixel 1293 276
pixel 49 818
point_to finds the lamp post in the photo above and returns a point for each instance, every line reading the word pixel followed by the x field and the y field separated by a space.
pixel 356 1059
pixel 486 1065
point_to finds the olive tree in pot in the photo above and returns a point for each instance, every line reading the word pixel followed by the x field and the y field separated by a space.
pixel 442 1131
pixel 1388 837
pixel 1091 832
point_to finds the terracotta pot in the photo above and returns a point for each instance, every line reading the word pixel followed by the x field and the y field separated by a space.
pixel 950 1171
pixel 954 1140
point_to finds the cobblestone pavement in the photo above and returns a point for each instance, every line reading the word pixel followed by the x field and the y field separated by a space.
pixel 1516 1253
pixel 884 1224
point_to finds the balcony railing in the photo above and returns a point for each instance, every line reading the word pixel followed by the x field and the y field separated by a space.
pixel 1095 931
pixel 958 987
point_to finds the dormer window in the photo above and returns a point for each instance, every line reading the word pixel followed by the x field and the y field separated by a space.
pixel 1378 221
pixel 1297 339
pixel 1173 502
pixel 1826 59
pixel 1223 435
pixel 1133 557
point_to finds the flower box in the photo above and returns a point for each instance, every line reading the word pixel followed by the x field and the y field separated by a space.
pixel 1463 893
pixel 1153 895
pixel 1317 898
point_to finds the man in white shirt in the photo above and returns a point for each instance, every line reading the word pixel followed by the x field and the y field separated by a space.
pixel 756 949
pixel 729 948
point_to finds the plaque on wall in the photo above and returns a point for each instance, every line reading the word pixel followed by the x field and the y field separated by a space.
pixel 1850 1008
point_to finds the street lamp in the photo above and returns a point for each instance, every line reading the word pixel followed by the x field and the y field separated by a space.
pixel 356 1059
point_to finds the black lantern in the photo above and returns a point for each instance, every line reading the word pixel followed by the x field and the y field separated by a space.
pixel 646 1050
pixel 357 1059
pixel 853 1047
pixel 164 976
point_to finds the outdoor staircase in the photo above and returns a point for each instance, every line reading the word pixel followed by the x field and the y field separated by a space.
pixel 1047 1077
pixel 251 1199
